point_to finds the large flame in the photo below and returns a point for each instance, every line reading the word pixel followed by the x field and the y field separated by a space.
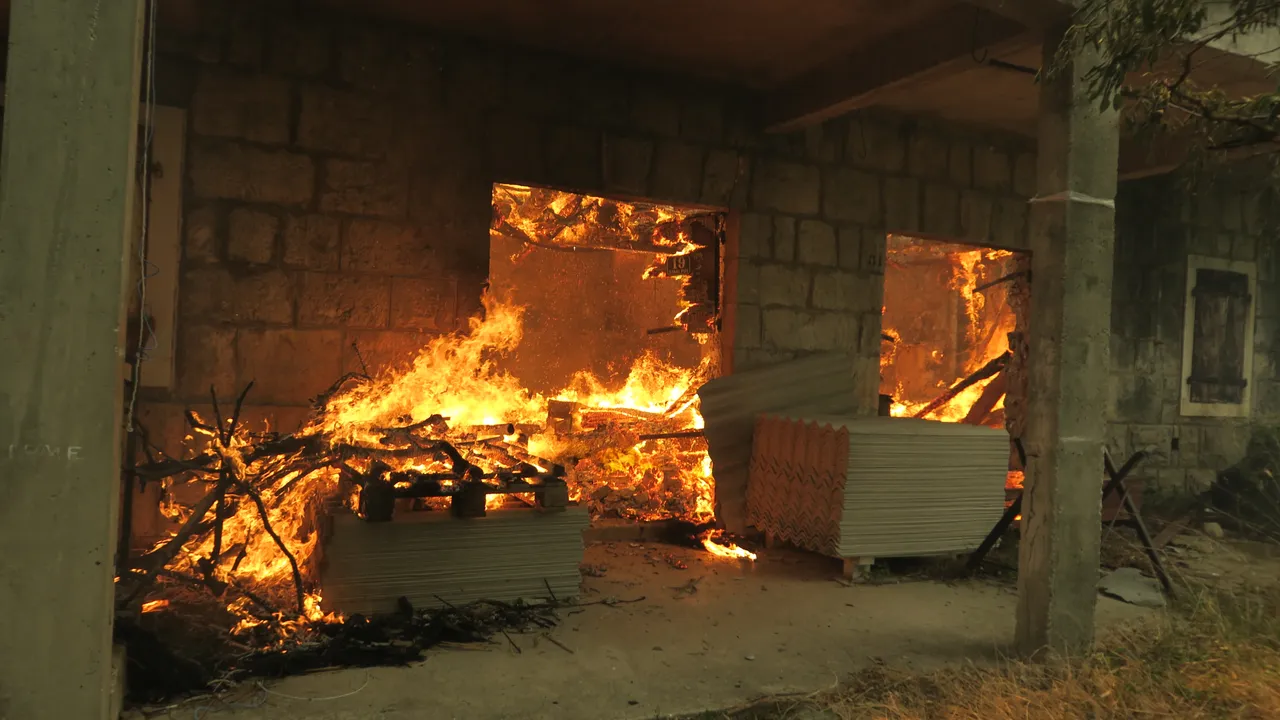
pixel 985 328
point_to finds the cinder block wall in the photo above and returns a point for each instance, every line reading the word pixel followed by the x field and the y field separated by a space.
pixel 338 191
pixel 1159 222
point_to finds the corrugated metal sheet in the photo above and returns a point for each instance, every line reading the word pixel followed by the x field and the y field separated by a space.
pixel 816 385
pixel 432 556
pixel 877 487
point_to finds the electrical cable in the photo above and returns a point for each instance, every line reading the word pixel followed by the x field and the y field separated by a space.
pixel 146 333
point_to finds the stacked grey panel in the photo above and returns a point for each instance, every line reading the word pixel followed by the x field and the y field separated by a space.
pixel 876 487
pixel 428 557
pixel 822 384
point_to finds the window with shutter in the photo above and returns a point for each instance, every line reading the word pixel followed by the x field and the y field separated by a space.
pixel 1218 337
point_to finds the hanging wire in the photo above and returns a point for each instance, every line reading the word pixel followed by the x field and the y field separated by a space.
pixel 146 333
pixel 973 38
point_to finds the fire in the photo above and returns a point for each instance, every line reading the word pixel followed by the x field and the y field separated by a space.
pixel 633 447
pixel 981 323
pixel 154 605
pixel 726 550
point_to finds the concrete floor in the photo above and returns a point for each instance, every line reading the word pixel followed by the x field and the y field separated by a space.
pixel 781 625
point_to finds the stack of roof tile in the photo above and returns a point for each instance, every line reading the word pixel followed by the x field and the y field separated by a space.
pixel 876 487
pixel 431 558
pixel 822 384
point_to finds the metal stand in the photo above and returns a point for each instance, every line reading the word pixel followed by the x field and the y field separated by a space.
pixel 1115 483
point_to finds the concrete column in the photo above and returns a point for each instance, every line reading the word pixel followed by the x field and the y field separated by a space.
pixel 1072 238
pixel 66 204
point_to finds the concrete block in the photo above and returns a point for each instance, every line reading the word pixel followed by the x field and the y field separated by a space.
pixel 235 105
pixel 424 304
pixel 849 246
pixel 1009 224
pixel 1137 398
pixel 784 239
pixel 655 110
pixel 1232 209
pixel 960 163
pixel 726 178
pixel 902 204
pixel 927 154
pixel 784 285
pixel 839 290
pixel 573 156
pixel 941 210
pixel 300 49
pixel 799 330
pixel 345 123
pixel 677 171
pixel 1156 439
pixel 202 241
pixel 702 119
pixel 748 334
pixel 205 358
pixel 755 235
pixel 515 148
pixel 748 286
pixel 258 354
pixel 311 242
pixel 874 251
pixel 364 188
pixel 382 350
pixel 1024 175
pixel 1223 444
pixel 1244 247
pixel 476 79
pixel 869 333
pixel 992 169
pixel 851 194
pixel 628 162
pixel 876 143
pixel 246 39
pixel 1199 481
pixel 251 236
pixel 218 295
pixel 343 300
pixel 385 62
pixel 786 328
pixel 816 244
pixel 824 143
pixel 231 171
pixel 976 210
pixel 386 247
pixel 786 187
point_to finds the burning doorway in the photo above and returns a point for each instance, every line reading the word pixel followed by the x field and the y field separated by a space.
pixel 954 344
pixel 618 304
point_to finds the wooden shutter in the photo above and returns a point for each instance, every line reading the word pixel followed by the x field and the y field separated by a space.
pixel 1222 310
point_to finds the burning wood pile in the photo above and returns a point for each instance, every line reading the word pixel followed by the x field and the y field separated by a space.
pixel 451 433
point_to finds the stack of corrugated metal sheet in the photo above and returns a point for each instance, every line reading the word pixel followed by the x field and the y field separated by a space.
pixel 430 557
pixel 876 487
pixel 821 384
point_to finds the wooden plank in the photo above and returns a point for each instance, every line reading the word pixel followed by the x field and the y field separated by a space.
pixel 66 201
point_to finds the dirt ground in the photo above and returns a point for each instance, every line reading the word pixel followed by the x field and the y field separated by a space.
pixel 703 632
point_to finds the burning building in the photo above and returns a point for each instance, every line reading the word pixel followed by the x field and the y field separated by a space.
pixel 454 249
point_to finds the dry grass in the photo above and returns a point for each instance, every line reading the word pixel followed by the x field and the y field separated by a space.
pixel 1213 656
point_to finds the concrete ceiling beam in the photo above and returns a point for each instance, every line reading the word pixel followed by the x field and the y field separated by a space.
pixel 947 42
pixel 1035 14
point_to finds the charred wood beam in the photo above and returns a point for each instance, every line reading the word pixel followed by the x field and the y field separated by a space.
pixel 991 395
pixel 994 366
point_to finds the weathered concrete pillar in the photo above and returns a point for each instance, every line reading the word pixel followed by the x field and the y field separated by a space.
pixel 66 200
pixel 1072 238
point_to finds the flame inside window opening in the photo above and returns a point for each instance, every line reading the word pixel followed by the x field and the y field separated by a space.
pixel 946 316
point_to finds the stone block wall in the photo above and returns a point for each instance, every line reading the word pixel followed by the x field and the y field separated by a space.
pixel 338 193
pixel 1159 222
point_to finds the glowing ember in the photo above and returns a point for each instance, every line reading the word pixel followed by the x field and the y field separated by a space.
pixel 154 605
